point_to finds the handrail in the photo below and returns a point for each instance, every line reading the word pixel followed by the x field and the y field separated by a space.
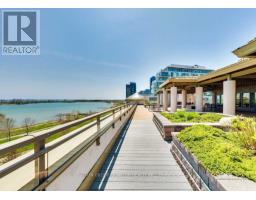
pixel 40 135
pixel 39 138
pixel 83 147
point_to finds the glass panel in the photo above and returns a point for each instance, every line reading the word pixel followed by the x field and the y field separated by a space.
pixel 238 99
pixel 246 100
pixel 218 99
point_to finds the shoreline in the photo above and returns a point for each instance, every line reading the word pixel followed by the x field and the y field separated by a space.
pixel 21 130
pixel 50 111
pixel 35 101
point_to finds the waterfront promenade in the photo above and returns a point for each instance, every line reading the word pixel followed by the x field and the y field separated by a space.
pixel 141 160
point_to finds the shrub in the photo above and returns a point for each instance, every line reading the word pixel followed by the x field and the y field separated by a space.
pixel 245 132
pixel 210 117
pixel 183 116
pixel 218 152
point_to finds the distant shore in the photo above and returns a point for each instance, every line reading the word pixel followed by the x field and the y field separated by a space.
pixel 34 101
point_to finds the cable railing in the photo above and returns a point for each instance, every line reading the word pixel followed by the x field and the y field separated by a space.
pixel 103 121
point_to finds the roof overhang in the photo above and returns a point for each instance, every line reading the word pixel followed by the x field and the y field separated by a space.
pixel 243 67
pixel 246 51
pixel 178 81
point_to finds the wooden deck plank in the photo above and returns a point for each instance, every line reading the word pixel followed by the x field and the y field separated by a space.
pixel 145 186
pixel 141 160
pixel 159 168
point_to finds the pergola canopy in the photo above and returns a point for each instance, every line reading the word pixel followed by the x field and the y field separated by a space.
pixel 136 97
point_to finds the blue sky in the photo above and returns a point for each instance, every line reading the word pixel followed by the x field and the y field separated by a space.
pixel 93 53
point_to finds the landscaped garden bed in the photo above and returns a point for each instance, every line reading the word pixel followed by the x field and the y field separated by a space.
pixel 183 116
pixel 168 123
pixel 224 160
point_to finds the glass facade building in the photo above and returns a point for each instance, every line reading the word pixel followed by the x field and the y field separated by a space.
pixel 176 71
pixel 130 89
pixel 153 78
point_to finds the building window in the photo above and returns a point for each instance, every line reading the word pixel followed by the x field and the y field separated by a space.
pixel 252 99
pixel 238 99
pixel 246 100
pixel 219 99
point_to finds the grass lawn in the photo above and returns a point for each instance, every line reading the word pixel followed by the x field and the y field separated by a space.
pixel 219 152
pixel 183 116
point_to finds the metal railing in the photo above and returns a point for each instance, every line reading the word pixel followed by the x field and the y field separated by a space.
pixel 39 140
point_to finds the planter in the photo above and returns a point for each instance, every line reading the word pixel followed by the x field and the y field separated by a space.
pixel 203 179
pixel 166 128
pixel 163 125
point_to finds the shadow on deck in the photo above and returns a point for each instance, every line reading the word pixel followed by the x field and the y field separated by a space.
pixel 105 172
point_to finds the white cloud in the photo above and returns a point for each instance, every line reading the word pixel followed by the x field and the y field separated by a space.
pixel 82 59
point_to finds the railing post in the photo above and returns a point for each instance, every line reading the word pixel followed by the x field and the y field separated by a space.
pixel 40 169
pixel 98 129
pixel 98 123
pixel 113 113
pixel 124 112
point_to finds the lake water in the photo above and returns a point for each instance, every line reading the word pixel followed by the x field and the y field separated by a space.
pixel 41 112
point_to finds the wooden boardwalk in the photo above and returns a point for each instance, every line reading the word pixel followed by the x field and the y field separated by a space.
pixel 141 160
